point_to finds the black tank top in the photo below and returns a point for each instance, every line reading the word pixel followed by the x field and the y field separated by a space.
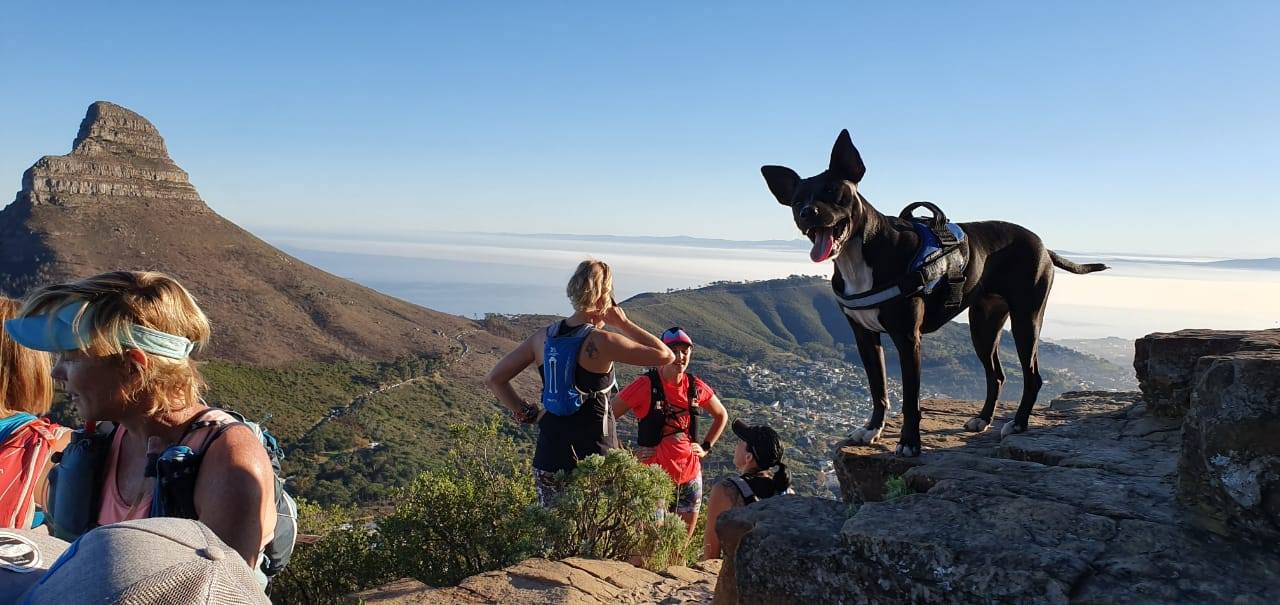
pixel 564 440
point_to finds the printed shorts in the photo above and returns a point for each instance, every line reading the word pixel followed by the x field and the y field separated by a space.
pixel 689 495
pixel 549 487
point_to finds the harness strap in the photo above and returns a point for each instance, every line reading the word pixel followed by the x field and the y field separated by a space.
pixel 658 404
pixel 744 489
pixel 949 264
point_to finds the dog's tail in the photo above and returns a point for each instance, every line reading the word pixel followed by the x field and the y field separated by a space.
pixel 1076 268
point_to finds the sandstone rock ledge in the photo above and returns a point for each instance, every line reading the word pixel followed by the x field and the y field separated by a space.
pixel 571 581
pixel 1080 509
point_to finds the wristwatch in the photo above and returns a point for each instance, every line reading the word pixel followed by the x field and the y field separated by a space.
pixel 706 446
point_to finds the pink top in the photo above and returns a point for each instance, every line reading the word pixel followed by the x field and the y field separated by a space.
pixel 114 508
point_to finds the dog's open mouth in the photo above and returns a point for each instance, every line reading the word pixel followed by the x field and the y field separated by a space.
pixel 827 240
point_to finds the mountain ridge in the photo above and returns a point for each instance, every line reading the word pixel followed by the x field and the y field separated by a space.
pixel 117 201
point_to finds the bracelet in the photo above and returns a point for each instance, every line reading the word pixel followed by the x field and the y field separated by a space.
pixel 527 414
pixel 706 445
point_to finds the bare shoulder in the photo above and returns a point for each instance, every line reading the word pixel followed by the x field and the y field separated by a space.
pixel 238 448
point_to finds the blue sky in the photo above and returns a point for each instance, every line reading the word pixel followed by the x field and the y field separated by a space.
pixel 1104 126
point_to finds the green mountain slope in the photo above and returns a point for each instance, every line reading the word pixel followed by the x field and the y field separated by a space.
pixel 798 318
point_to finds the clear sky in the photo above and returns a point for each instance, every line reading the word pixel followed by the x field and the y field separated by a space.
pixel 1103 126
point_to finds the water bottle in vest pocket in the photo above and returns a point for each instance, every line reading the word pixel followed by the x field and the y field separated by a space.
pixel 560 394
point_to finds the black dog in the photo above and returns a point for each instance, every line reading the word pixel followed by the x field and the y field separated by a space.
pixel 1006 275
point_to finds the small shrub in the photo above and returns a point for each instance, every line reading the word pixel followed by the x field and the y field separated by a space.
pixel 896 487
pixel 473 512
pixel 609 510
pixel 344 561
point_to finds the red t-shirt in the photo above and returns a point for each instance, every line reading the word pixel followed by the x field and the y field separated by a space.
pixel 674 453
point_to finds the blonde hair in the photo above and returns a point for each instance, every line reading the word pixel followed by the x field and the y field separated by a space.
pixel 145 298
pixel 592 282
pixel 25 384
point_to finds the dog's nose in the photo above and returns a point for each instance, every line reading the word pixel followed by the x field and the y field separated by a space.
pixel 809 212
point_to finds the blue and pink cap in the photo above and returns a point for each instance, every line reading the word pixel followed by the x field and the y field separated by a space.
pixel 676 336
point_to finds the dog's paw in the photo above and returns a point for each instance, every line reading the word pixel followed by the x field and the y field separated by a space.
pixel 1011 428
pixel 865 436
pixel 976 425
pixel 907 451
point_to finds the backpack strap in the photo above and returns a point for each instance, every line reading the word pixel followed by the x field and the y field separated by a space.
pixel 213 436
pixel 748 496
pixel 199 422
pixel 693 394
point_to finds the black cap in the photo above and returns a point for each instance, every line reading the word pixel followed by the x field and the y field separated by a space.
pixel 762 442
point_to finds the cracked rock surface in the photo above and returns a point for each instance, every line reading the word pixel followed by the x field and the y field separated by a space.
pixel 571 581
pixel 1081 508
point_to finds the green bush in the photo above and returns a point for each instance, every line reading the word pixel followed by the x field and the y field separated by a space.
pixel 477 510
pixel 345 561
pixel 609 510
pixel 896 487
pixel 473 512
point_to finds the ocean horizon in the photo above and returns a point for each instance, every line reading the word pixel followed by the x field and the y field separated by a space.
pixel 471 274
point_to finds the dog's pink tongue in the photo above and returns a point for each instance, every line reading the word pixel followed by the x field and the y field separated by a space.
pixel 823 242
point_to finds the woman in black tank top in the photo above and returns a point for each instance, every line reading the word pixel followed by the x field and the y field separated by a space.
pixel 758 452
pixel 564 440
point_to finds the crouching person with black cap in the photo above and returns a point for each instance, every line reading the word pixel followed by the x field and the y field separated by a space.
pixel 759 451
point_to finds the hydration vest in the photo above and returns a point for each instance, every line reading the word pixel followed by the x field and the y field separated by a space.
pixel 75 485
pixel 25 444
pixel 653 427
pixel 761 484
pixel 560 393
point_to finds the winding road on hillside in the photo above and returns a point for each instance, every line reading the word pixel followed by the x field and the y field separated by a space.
pixel 355 402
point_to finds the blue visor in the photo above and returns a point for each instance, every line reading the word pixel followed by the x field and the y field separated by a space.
pixel 69 330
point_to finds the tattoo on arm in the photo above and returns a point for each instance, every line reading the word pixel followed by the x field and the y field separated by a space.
pixel 591 349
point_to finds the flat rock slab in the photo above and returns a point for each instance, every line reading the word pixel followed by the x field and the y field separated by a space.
pixel 1079 509
pixel 572 581
pixel 1165 362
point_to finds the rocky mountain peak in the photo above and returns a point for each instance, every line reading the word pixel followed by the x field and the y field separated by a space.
pixel 108 128
pixel 118 202
pixel 118 158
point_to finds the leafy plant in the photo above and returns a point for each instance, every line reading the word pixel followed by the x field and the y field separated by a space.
pixel 609 510
pixel 345 561
pixel 896 487
pixel 474 511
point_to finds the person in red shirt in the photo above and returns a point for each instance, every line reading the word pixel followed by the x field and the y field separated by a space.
pixel 665 439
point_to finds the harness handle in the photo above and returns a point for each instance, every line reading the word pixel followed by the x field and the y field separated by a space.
pixel 939 218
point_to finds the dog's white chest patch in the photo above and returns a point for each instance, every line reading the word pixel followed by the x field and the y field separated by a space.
pixel 857 279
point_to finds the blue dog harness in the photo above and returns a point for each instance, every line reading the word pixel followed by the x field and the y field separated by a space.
pixel 941 256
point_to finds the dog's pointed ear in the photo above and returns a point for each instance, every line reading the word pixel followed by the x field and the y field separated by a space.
pixel 782 182
pixel 846 163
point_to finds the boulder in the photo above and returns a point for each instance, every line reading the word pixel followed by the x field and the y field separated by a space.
pixel 1165 363
pixel 1229 471
pixel 1079 509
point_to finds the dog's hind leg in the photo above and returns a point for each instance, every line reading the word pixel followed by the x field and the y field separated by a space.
pixel 908 345
pixel 1025 325
pixel 871 352
pixel 986 322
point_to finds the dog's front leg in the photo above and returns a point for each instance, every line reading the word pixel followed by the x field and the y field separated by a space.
pixel 872 355
pixel 908 344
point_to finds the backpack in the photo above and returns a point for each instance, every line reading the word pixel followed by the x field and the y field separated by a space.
pixel 25 442
pixel 75 485
pixel 175 485
pixel 560 393
pixel 653 427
